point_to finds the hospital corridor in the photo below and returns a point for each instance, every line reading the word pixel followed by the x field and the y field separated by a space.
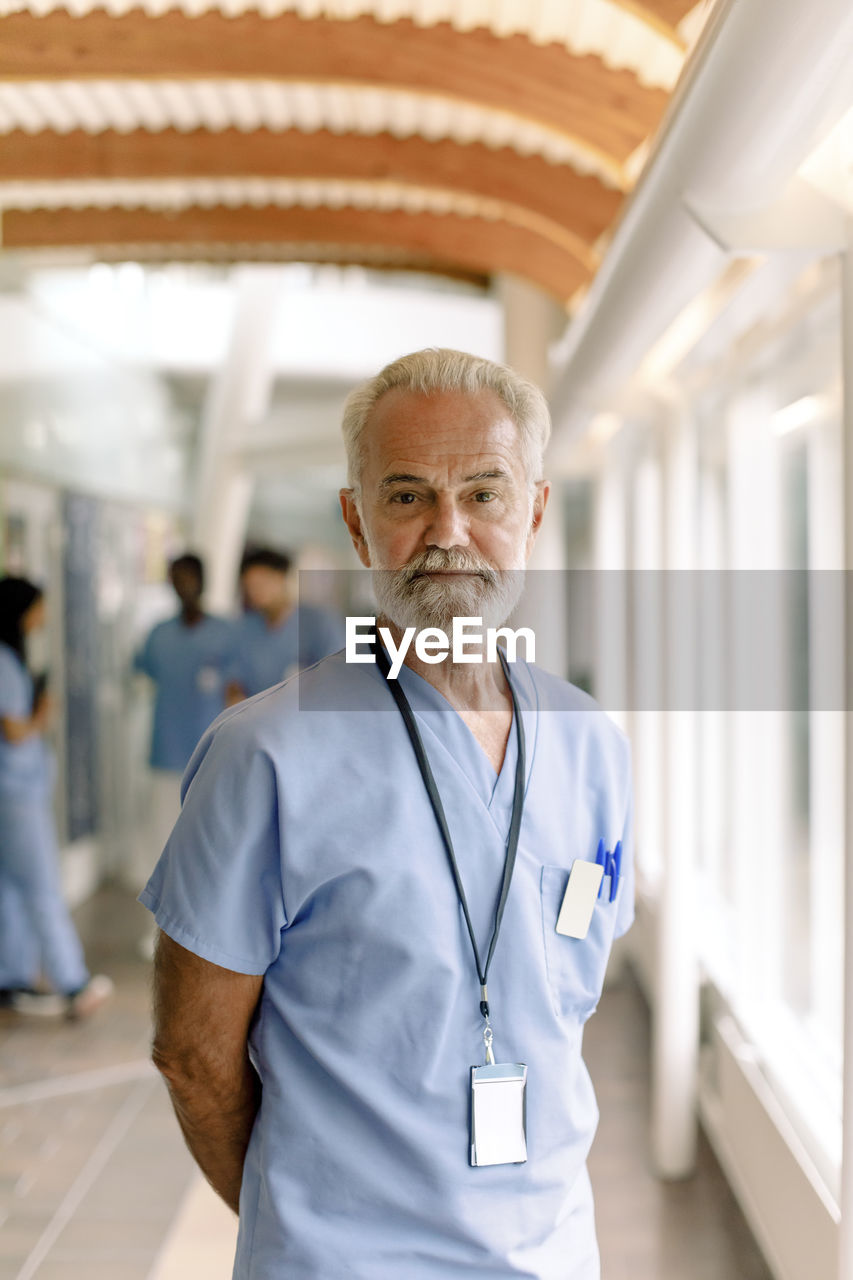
pixel 426 640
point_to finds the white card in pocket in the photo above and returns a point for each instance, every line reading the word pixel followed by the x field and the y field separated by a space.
pixel 579 899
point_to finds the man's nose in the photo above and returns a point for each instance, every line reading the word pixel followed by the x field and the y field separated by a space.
pixel 448 526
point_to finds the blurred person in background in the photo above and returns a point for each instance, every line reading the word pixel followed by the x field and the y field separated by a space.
pixel 277 636
pixel 38 940
pixel 188 657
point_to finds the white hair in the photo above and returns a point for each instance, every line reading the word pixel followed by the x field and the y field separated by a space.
pixel 440 369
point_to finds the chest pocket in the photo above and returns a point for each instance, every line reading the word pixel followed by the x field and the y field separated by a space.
pixel 575 966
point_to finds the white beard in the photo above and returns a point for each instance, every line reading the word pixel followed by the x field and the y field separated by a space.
pixel 409 599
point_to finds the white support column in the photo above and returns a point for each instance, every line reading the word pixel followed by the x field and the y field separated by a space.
pixel 756 740
pixel 238 396
pixel 675 1032
pixel 530 324
pixel 608 596
pixel 826 718
pixel 646 561
pixel 532 320
pixel 845 1268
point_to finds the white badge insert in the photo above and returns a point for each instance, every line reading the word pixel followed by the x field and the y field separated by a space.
pixel 579 899
pixel 498 1114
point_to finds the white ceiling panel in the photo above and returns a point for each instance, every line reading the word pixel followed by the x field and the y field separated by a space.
pixel 184 193
pixel 125 105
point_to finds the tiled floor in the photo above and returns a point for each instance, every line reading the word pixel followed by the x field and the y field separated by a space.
pixel 92 1168
pixel 95 1183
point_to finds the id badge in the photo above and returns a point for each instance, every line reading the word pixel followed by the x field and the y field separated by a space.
pixel 580 899
pixel 499 1114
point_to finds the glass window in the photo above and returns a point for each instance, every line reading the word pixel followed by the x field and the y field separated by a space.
pixel 770 802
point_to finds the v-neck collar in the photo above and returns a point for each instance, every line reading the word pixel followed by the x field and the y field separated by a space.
pixel 451 736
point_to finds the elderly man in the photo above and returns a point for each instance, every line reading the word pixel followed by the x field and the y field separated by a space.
pixel 387 906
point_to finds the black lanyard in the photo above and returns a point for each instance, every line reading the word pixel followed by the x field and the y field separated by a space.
pixel 438 809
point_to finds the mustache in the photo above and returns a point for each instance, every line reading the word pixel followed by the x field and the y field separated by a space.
pixel 453 560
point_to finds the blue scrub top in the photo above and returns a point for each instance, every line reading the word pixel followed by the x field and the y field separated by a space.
pixel 25 767
pixel 190 667
pixel 307 851
pixel 267 655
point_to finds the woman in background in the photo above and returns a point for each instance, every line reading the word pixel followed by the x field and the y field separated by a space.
pixel 38 932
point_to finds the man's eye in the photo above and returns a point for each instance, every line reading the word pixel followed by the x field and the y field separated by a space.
pixel 406 499
pixel 485 495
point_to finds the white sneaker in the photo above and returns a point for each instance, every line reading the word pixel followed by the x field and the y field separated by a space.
pixel 89 998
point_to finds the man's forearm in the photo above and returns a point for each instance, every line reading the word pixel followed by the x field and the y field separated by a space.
pixel 216 1119
pixel 202 1018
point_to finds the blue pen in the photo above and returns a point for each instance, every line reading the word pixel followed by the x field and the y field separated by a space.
pixel 601 861
pixel 616 870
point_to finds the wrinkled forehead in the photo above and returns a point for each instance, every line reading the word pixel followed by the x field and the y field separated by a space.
pixel 442 428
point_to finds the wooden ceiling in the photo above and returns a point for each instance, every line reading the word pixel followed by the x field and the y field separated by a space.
pixel 453 149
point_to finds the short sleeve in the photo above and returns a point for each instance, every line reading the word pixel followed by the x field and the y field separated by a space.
pixel 15 695
pixel 217 888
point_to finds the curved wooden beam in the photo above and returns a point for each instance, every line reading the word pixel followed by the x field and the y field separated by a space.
pixel 663 15
pixel 474 244
pixel 580 203
pixel 608 109
pixel 669 11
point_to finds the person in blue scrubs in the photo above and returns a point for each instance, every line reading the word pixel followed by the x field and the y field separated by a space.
pixel 188 657
pixel 38 939
pixel 277 636
pixel 320 997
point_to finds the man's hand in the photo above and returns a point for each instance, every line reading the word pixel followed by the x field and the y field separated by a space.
pixel 202 1015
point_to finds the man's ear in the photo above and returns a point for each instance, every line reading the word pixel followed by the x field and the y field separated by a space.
pixel 540 502
pixel 352 520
